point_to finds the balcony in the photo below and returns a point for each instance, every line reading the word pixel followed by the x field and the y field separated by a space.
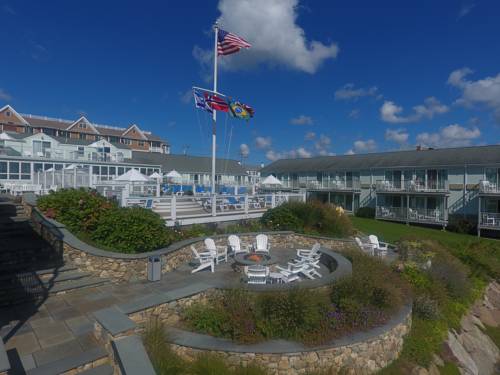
pixel 328 185
pixel 412 215
pixel 488 188
pixel 489 220
pixel 412 186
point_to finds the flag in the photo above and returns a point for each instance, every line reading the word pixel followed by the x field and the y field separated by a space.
pixel 201 102
pixel 228 43
pixel 241 111
pixel 216 102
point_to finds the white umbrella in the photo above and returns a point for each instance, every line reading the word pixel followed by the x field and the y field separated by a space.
pixel 173 174
pixel 271 180
pixel 156 175
pixel 71 166
pixel 132 175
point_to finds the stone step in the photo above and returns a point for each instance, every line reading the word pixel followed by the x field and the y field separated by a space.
pixel 78 284
pixel 99 370
pixel 27 280
pixel 70 363
pixel 44 272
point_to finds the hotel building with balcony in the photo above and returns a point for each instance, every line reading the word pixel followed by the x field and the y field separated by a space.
pixel 30 145
pixel 426 186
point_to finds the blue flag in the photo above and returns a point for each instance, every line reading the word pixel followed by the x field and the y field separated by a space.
pixel 201 102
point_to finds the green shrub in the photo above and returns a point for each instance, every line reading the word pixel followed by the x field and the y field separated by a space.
pixel 368 212
pixel 78 209
pixel 448 271
pixel 462 225
pixel 310 217
pixel 132 230
pixel 425 307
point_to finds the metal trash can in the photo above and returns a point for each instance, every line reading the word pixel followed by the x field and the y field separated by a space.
pixel 154 268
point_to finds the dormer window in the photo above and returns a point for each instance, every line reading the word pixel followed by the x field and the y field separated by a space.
pixel 8 114
pixel 82 125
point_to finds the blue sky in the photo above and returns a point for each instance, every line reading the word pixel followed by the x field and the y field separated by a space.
pixel 325 77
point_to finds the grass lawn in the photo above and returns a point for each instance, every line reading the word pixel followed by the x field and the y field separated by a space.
pixel 392 232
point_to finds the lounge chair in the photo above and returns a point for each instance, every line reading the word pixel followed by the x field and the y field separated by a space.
pixel 380 248
pixel 235 244
pixel 234 203
pixel 205 259
pixel 219 251
pixel 257 274
pixel 262 243
pixel 313 253
pixel 368 248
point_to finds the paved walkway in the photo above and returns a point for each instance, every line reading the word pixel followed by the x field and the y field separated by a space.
pixel 62 325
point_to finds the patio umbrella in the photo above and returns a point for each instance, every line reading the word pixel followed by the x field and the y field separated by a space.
pixel 132 175
pixel 271 180
pixel 173 174
pixel 156 176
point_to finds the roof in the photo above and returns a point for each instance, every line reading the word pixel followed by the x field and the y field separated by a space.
pixel 459 156
pixel 9 151
pixel 85 142
pixel 61 124
pixel 189 164
pixel 252 167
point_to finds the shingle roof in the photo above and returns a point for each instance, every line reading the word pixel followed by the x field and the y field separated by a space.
pixel 459 156
pixel 60 124
pixel 9 151
pixel 189 164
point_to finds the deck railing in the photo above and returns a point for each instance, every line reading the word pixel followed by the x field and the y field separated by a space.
pixel 489 220
pixel 487 187
pixel 353 185
pixel 420 215
pixel 412 186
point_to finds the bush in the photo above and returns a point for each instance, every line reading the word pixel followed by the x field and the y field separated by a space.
pixel 78 209
pixel 130 230
pixel 425 307
pixel 462 225
pixel 310 217
pixel 368 212
pixel 448 271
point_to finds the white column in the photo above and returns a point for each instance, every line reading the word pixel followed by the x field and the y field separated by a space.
pixel 246 203
pixel 173 208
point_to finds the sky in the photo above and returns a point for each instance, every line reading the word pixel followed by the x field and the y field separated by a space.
pixel 324 77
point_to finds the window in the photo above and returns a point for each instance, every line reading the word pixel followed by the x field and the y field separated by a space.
pixel 95 169
pixel 143 170
pixel 112 171
pixel 47 166
pixel 120 171
pixel 81 151
pixel 13 170
pixel 40 148
pixel 7 113
pixel 104 171
pixel 126 141
pixel 25 171
pixel 82 125
pixel 3 170
pixel 141 143
pixel 37 167
pixel 82 135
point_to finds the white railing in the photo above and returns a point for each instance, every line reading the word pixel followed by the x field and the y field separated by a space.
pixel 489 220
pixel 353 185
pixel 411 186
pixel 487 187
pixel 175 207
pixel 431 216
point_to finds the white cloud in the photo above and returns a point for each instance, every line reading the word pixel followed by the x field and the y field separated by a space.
pixel 4 95
pixel 244 150
pixel 270 26
pixel 354 113
pixel 465 9
pixel 392 113
pixel 350 152
pixel 309 136
pixel 186 96
pixel 365 146
pixel 483 92
pixel 323 143
pixel 349 92
pixel 397 135
pixel 263 142
pixel 302 120
pixel 303 153
pixel 450 136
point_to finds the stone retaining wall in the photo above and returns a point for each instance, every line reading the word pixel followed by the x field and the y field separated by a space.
pixel 361 353
pixel 124 268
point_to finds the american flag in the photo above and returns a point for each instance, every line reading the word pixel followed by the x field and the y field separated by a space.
pixel 228 43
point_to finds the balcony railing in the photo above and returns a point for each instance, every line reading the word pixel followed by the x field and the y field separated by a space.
pixel 426 216
pixel 489 220
pixel 487 187
pixel 353 185
pixel 412 186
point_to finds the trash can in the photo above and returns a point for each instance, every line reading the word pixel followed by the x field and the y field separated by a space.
pixel 154 268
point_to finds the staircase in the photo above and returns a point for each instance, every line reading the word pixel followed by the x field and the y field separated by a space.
pixel 31 269
pixel 184 207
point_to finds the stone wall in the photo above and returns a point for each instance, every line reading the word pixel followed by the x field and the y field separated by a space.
pixel 362 353
pixel 124 268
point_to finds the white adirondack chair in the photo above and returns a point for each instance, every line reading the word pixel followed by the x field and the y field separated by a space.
pixel 380 248
pixel 257 274
pixel 365 247
pixel 235 244
pixel 219 251
pixel 312 253
pixel 262 243
pixel 206 259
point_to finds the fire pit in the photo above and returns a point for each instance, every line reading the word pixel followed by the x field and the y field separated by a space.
pixel 261 258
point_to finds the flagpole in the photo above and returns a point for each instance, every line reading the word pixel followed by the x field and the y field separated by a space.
pixel 214 117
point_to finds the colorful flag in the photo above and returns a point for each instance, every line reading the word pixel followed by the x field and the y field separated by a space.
pixel 216 102
pixel 240 111
pixel 228 43
pixel 201 102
